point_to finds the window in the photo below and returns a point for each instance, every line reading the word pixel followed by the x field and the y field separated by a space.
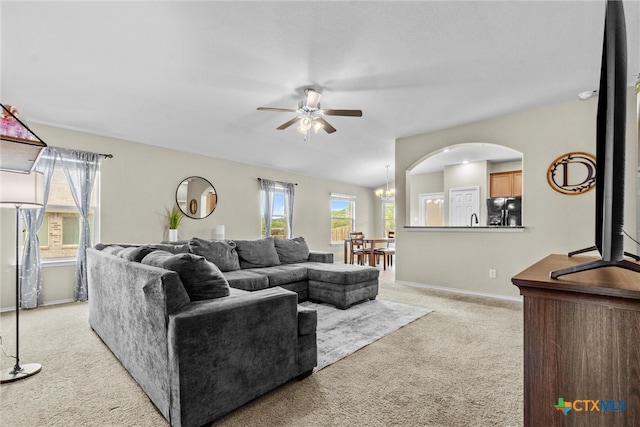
pixel 343 216
pixel 278 217
pixel 389 217
pixel 59 233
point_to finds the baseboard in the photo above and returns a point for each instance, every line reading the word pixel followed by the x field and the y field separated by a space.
pixel 13 308
pixel 461 291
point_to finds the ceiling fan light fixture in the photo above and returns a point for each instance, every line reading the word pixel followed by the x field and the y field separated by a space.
pixel 311 115
pixel 305 125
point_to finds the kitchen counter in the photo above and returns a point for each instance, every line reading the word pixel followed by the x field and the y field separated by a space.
pixel 474 229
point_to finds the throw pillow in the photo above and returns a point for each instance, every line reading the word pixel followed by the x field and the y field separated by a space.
pixel 135 253
pixel 257 253
pixel 201 279
pixel 222 253
pixel 292 250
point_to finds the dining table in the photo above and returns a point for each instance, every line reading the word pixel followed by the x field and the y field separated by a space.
pixel 369 246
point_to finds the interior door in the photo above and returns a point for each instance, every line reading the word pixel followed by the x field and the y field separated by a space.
pixel 430 212
pixel 463 202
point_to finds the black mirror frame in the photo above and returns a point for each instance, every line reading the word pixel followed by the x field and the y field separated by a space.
pixel 191 206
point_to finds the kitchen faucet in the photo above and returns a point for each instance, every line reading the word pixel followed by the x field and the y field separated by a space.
pixel 473 215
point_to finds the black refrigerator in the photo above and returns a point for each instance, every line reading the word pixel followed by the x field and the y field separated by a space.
pixel 504 211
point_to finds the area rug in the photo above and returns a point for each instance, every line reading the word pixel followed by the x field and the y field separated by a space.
pixel 342 332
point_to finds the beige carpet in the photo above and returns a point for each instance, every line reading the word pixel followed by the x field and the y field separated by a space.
pixel 459 366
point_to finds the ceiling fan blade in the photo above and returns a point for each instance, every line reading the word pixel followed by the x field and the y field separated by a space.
pixel 289 123
pixel 351 113
pixel 283 110
pixel 326 126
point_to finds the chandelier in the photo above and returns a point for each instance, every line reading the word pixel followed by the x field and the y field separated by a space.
pixel 387 195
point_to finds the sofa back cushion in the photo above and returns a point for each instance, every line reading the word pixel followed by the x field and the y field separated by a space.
pixel 292 250
pixel 112 249
pixel 179 248
pixel 135 253
pixel 222 253
pixel 201 279
pixel 257 253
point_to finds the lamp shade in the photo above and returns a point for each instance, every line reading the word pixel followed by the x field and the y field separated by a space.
pixel 20 147
pixel 21 189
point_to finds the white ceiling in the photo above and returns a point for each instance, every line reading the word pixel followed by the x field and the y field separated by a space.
pixel 189 75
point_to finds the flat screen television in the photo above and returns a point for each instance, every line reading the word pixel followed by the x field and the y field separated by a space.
pixel 610 150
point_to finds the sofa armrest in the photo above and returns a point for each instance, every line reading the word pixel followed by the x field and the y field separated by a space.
pixel 307 320
pixel 317 256
pixel 231 350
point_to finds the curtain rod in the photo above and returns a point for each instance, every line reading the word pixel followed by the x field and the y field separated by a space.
pixel 281 182
pixel 106 156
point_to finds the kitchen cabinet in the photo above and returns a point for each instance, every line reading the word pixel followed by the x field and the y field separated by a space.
pixel 505 184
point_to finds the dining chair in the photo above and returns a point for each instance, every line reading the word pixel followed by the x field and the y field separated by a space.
pixel 356 247
pixel 387 252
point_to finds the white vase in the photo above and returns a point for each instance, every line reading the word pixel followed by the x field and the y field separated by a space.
pixel 173 234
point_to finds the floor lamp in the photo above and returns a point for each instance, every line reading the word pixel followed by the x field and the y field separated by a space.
pixel 20 190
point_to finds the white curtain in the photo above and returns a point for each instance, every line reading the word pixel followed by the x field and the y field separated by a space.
pixel 288 206
pixel 80 168
pixel 268 188
pixel 30 267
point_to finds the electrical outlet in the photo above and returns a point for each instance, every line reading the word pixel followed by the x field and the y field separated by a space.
pixel 492 273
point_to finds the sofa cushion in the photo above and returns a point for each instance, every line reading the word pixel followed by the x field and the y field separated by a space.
pixel 222 253
pixel 246 280
pixel 169 247
pixel 292 250
pixel 341 274
pixel 201 279
pixel 282 274
pixel 135 253
pixel 112 249
pixel 257 253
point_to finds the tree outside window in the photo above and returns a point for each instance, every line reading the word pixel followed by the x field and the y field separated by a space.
pixel 343 217
pixel 278 218
pixel 389 217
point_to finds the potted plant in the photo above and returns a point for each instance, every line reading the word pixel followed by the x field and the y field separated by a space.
pixel 174 217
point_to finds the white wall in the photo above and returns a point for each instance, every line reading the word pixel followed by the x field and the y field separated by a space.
pixel 423 184
pixel 139 184
pixel 504 166
pixel 555 223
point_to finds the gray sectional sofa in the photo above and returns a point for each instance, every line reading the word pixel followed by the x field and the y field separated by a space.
pixel 199 347
pixel 288 263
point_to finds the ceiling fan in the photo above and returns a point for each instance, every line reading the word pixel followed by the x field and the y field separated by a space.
pixel 310 114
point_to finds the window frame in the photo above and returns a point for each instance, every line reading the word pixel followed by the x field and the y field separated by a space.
pixel 344 198
pixel 384 217
pixel 66 209
pixel 279 190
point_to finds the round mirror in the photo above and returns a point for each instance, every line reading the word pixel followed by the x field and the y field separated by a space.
pixel 196 197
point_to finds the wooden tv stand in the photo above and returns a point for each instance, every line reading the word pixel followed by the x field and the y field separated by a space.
pixel 581 344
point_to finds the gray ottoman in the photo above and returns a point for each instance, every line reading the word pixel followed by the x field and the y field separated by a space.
pixel 342 284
